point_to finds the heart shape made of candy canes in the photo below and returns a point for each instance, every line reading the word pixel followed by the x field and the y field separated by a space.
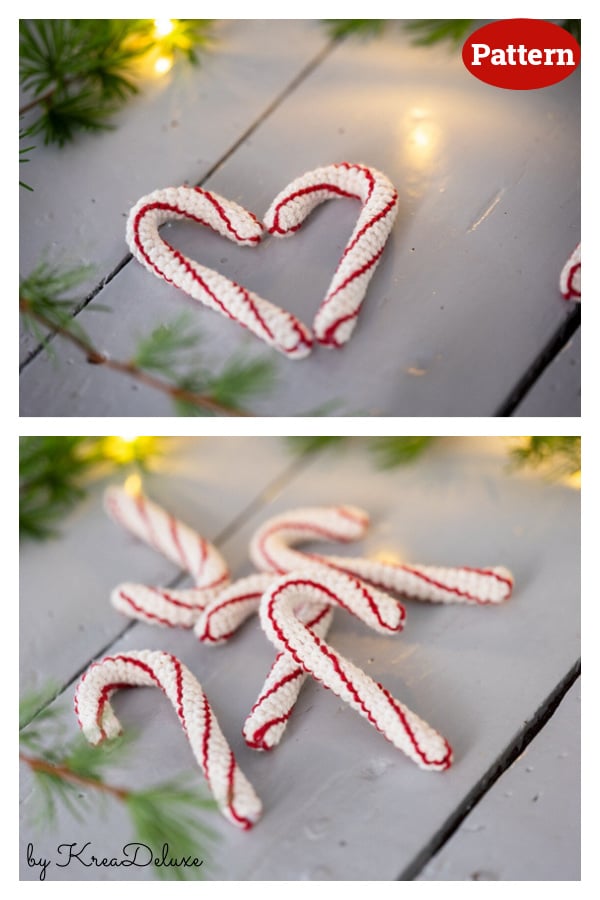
pixel 336 316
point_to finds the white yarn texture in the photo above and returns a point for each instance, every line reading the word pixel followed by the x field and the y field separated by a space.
pixel 409 733
pixel 180 544
pixel 336 317
pixel 570 276
pixel 231 789
pixel 216 608
pixel 271 550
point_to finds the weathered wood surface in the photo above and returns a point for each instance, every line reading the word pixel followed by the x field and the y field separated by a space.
pixel 340 802
pixel 466 296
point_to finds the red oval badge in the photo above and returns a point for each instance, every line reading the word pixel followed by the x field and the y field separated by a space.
pixel 521 54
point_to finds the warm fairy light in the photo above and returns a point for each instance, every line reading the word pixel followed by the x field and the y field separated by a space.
pixel 573 480
pixel 390 557
pixel 163 64
pixel 133 485
pixel 163 27
pixel 125 449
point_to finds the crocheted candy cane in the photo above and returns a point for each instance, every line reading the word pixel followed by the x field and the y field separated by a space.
pixel 181 545
pixel 160 606
pixel 234 794
pixel 337 314
pixel 266 723
pixel 222 617
pixel 570 276
pixel 273 325
pixel 268 718
pixel 271 549
pixel 408 732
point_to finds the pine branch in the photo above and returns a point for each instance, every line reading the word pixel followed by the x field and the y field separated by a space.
pixel 164 360
pixel 51 472
pixel 342 28
pixel 81 71
pixel 390 452
pixel 556 457
pixel 164 814
pixel 426 32
pixel 63 772
pixel 54 473
pixel 307 444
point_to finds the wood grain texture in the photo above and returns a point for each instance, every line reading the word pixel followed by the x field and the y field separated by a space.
pixel 528 827
pixel 467 292
pixel 340 802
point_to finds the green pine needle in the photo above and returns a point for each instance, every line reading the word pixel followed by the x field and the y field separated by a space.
pixel 307 444
pixel 390 452
pixel 42 293
pixel 342 28
pixel 36 704
pixel 426 32
pixel 236 383
pixel 240 380
pixel 79 72
pixel 556 457
pixel 51 470
pixel 164 349
pixel 168 814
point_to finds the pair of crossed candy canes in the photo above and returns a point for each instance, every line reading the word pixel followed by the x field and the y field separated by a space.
pixel 336 317
pixel 295 611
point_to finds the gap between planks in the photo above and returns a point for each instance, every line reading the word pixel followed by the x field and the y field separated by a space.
pixel 553 346
pixel 270 108
pixel 262 499
pixel 512 752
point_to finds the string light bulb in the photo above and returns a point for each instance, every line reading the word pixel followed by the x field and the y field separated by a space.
pixel 163 64
pixel 163 27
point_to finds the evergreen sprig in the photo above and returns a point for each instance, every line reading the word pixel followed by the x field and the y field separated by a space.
pixel 79 72
pixel 342 28
pixel 54 473
pixel 390 452
pixel 51 473
pixel 426 32
pixel 23 134
pixel 166 359
pixel 556 457
pixel 166 813
pixel 42 299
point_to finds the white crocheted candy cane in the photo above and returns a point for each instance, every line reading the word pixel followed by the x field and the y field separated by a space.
pixel 181 545
pixel 337 314
pixel 273 325
pixel 271 550
pixel 408 732
pixel 267 720
pixel 570 276
pixel 234 794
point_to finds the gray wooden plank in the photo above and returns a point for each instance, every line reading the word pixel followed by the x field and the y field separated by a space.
pixel 175 130
pixel 528 826
pixel 559 388
pixel 340 802
pixel 466 294
pixel 65 583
